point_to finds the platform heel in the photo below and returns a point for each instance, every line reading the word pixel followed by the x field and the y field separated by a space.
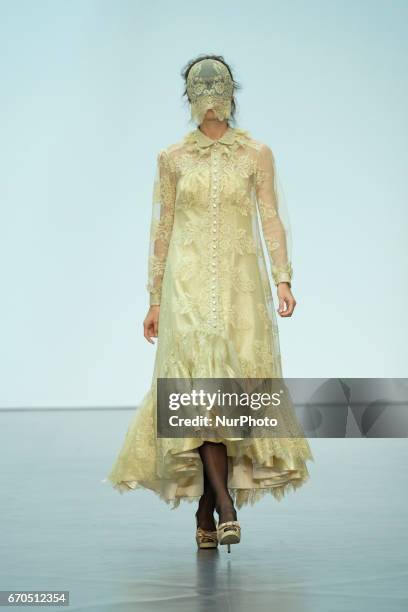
pixel 204 538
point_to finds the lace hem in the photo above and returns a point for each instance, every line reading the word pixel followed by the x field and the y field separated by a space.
pixel 277 476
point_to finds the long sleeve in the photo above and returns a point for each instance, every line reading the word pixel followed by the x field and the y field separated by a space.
pixel 274 216
pixel 164 194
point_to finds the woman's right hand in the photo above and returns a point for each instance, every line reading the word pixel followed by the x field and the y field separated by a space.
pixel 151 323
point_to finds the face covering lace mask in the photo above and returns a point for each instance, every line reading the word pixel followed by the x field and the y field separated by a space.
pixel 209 86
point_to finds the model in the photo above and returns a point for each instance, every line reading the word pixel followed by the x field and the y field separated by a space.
pixel 212 309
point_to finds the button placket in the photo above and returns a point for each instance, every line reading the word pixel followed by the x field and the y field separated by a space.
pixel 214 235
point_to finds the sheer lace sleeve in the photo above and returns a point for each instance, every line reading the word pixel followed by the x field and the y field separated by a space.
pixel 274 216
pixel 164 193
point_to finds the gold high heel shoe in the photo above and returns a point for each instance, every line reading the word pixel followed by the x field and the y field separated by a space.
pixel 228 533
pixel 204 538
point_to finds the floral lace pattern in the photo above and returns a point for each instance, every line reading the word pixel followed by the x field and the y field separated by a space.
pixel 247 182
pixel 209 85
pixel 208 271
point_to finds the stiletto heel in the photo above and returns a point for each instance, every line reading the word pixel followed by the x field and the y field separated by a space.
pixel 228 533
pixel 204 538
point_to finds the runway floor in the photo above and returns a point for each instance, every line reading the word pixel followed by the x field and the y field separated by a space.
pixel 338 544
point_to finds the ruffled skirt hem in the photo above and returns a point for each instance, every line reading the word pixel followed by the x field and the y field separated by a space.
pixel 241 497
pixel 172 468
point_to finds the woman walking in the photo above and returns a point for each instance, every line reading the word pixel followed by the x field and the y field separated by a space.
pixel 212 310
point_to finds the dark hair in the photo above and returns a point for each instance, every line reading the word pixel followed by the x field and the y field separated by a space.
pixel 186 69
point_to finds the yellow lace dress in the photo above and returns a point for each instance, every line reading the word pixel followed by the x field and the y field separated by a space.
pixel 208 272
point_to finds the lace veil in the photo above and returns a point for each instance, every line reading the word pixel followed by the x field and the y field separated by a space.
pixel 209 86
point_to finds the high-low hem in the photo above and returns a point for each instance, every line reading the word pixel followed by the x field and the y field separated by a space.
pixel 248 481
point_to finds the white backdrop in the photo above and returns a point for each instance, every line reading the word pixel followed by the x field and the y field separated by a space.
pixel 85 83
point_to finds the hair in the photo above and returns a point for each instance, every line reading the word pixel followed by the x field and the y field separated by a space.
pixel 236 85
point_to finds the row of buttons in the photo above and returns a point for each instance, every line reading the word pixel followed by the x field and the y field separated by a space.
pixel 214 197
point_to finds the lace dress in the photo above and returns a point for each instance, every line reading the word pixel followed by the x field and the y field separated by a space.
pixel 208 272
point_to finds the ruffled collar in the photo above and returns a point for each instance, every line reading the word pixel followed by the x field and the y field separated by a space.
pixel 229 137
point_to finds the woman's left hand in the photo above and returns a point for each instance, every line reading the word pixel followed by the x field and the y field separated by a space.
pixel 287 301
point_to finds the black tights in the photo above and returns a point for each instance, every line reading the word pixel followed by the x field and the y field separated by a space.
pixel 216 495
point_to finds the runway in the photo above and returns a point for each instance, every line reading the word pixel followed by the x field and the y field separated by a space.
pixel 338 544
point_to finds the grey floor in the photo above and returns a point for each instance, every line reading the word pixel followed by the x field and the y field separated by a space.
pixel 338 544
